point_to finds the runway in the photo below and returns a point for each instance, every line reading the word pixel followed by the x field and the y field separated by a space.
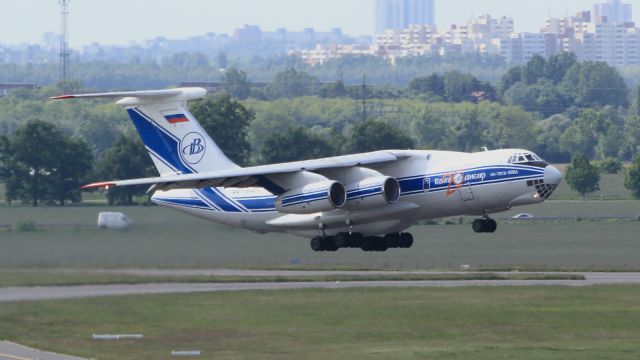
pixel 68 292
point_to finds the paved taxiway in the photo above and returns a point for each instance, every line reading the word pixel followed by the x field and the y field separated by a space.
pixel 11 351
pixel 67 292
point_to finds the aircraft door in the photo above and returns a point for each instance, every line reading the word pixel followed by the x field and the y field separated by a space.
pixel 466 194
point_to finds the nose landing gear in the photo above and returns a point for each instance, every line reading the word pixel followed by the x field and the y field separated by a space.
pixel 484 225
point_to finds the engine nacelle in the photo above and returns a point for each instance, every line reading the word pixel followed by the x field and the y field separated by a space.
pixel 313 198
pixel 373 192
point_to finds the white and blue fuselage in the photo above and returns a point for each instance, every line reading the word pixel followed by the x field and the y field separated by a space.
pixel 433 184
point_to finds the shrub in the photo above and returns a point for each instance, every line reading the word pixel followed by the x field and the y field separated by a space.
pixel 25 226
pixel 610 166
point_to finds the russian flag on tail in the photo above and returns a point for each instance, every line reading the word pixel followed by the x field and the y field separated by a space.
pixel 176 119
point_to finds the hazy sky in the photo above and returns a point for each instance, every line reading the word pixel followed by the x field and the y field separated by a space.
pixel 121 21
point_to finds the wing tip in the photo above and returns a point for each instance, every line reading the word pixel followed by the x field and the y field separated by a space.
pixel 98 185
pixel 63 97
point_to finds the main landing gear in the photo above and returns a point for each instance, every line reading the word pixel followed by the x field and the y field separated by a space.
pixel 366 243
pixel 484 225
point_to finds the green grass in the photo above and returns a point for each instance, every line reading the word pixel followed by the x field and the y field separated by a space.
pixel 73 278
pixel 430 323
pixel 165 238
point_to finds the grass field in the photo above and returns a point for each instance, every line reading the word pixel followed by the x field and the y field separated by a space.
pixel 165 238
pixel 433 323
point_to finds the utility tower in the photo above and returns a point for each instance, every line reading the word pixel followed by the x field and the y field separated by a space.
pixel 64 39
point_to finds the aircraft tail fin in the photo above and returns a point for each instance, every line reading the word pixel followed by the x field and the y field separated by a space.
pixel 173 137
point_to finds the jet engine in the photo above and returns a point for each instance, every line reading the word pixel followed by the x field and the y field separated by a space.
pixel 372 192
pixel 312 198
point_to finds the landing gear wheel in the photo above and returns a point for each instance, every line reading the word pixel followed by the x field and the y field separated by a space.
pixel 392 241
pixel 329 243
pixel 342 240
pixel 374 243
pixel 323 243
pixel 478 225
pixel 406 240
pixel 484 225
pixel 316 244
pixel 492 226
pixel 381 244
pixel 355 240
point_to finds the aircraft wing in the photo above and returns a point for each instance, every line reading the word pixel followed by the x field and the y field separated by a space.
pixel 251 176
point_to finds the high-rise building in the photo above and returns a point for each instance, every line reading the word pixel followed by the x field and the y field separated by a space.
pixel 419 12
pixel 400 14
pixel 613 11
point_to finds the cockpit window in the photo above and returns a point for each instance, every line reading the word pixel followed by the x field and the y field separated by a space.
pixel 527 158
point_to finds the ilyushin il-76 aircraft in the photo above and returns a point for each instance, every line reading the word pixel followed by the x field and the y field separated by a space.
pixel 362 201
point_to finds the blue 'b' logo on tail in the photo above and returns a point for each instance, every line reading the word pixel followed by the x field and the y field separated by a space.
pixel 192 148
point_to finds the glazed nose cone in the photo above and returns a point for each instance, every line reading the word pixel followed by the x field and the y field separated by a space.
pixel 552 175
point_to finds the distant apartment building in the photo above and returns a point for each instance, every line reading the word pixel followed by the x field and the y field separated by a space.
pixel 400 14
pixel 613 11
pixel 519 48
pixel 607 34
pixel 307 38
pixel 248 33
pixel 614 43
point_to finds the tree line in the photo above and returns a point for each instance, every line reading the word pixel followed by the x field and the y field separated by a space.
pixel 558 107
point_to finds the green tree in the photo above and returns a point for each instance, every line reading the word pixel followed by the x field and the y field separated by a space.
pixel 236 84
pixel 549 145
pixel 333 90
pixel 126 159
pixel 582 176
pixel 557 66
pixel 635 108
pixel 35 149
pixel 459 87
pixel 291 83
pixel 227 122
pixel 632 135
pixel 582 136
pixel 610 166
pixel 595 84
pixel 373 135
pixel 433 84
pixel 297 143
pixel 632 178
pixel 469 130
pixel 510 78
pixel 5 156
pixel 73 163
pixel 609 142
pixel 534 69
pixel 41 164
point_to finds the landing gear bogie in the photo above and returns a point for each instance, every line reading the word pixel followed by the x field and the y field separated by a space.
pixel 356 240
pixel 485 225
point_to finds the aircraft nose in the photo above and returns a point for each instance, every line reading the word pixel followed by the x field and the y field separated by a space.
pixel 552 175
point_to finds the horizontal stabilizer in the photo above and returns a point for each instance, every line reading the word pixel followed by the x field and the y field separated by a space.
pixel 183 93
